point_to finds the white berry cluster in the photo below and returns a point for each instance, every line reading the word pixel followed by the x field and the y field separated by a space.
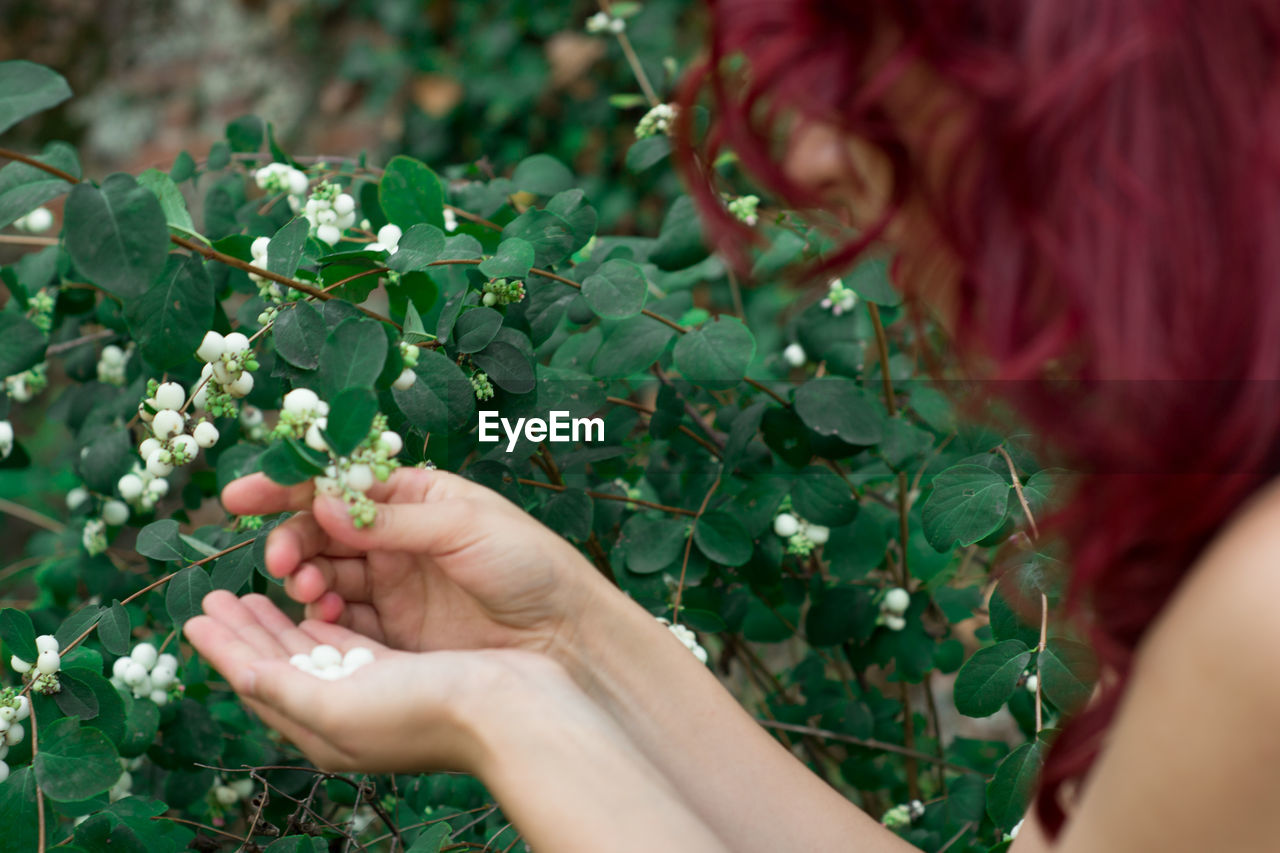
pixel 903 815
pixel 687 637
pixel 37 221
pixel 43 673
pixel 14 708
pixel 169 444
pixel 112 363
pixel 270 291
pixel 409 355
pixel 802 536
pixel 282 178
pixel 450 220
pixel 795 355
pixel 388 239
pixel 893 606
pixel 112 513
pixel 146 674
pixel 839 299
pixel 746 209
pixel 305 416
pixel 253 424
pixel 502 291
pixel 6 439
pixel 481 385
pixel 657 120
pixel 227 375
pixel 603 22
pixel 330 212
pixel 328 663
pixel 25 385
pixel 40 308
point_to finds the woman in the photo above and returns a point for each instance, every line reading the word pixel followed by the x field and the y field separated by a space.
pixel 1087 194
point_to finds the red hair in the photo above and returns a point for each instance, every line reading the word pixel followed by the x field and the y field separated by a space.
pixel 1116 221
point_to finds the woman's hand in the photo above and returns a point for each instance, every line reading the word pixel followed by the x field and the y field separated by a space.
pixel 403 712
pixel 448 564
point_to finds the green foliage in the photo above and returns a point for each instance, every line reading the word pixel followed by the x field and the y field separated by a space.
pixel 503 293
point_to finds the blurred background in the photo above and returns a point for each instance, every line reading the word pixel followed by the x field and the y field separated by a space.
pixel 470 84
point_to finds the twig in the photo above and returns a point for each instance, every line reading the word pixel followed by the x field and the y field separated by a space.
pixel 63 346
pixel 1017 488
pixel 868 743
pixel 640 407
pixel 35 752
pixel 633 60
pixel 605 496
pixel 688 548
pixel 30 516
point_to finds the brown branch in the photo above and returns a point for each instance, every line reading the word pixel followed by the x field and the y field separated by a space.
pixel 640 407
pixel 868 743
pixel 688 548
pixel 1017 488
pixel 605 496
pixel 30 516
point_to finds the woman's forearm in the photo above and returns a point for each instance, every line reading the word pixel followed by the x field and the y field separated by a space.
pixel 752 792
pixel 570 780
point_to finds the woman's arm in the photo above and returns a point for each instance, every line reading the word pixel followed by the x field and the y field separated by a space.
pixel 752 792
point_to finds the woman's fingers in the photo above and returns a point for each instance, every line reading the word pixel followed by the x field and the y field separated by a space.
pixel 256 494
pixel 232 614
pixel 424 528
pixel 272 618
pixel 342 638
pixel 346 576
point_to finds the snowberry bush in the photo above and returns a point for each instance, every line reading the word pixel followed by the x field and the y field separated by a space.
pixel 774 480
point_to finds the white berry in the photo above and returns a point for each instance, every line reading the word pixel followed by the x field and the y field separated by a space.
pixel 897 600
pixel 392 442
pixel 389 235
pixel 8 713
pixel 15 734
pixel 314 439
pixel 343 204
pixel 47 643
pixel 212 347
pixel 157 466
pixel 48 663
pixel 786 525
pixel 242 385
pixel 170 395
pixel 1033 683
pixel 130 487
pixel 325 656
pixel 167 424
pixel 301 402
pixel 356 658
pixel 134 674
pixel 794 355
pixel 818 534
pixel 894 622
pixel 19 665
pixel 24 708
pixel 236 343
pixel 149 446
pixel 38 220
pixel 328 234
pixel 76 498
pixel 115 512
pixel 205 434
pixel 360 477
pixel 405 380
pixel 145 654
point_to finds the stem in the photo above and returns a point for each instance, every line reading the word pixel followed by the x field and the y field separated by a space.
pixel 593 542
pixel 633 60
pixel 868 743
pixel 882 344
pixel 1044 635
pixel 23 240
pixel 688 547
pixel 1017 488
pixel 604 496
pixel 62 347
pixel 30 516
pixel 35 751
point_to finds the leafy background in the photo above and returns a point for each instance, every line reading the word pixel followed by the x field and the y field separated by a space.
pixel 528 122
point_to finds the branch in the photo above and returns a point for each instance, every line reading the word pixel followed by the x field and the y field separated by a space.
pixel 688 547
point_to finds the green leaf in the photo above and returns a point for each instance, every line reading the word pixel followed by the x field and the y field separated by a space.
pixel 170 319
pixel 76 698
pixel 508 367
pixel 820 496
pixel 542 174
pixel 630 347
pixel 184 166
pixel 968 502
pixel 289 463
pixel 185 592
pixel 284 250
pixel 1010 791
pixel 840 614
pixel 75 762
pixel 648 152
pixel 551 237
pixel 432 839
pixel 513 259
pixel 18 813
pixel 142 722
pixel 723 539
pixel 716 356
pixel 300 334
pixel 652 542
pixel 26 89
pixel 22 344
pixel 114 629
pixel 299 844
pixel 616 290
pixel 350 417
pixel 353 356
pixel 475 329
pixel 834 406
pixel 680 242
pixel 161 540
pixel 441 400
pixel 417 249
pixel 1006 623
pixel 117 234
pixel 411 194
pixel 18 634
pixel 988 679
pixel 172 202
pixel 870 280
pixel 414 332
pixel 23 188
pixel 245 133
pixel 1068 671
